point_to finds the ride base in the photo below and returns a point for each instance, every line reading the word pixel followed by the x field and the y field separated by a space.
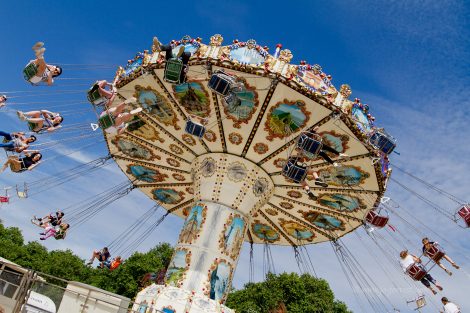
pixel 199 277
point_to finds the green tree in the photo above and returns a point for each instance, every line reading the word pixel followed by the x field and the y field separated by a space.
pixel 66 265
pixel 300 294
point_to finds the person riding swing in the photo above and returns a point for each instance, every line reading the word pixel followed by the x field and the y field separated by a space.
pixel 432 250
pixel 40 121
pixel 21 164
pixel 37 71
pixel 16 142
pixel 176 65
pixel 412 265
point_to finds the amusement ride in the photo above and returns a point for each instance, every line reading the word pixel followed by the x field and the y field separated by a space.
pixel 245 147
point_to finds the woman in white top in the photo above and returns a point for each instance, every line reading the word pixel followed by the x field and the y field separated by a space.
pixel 45 72
pixel 407 260
pixel 449 307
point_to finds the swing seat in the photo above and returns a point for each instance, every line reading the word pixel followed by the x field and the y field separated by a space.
pixel 221 83
pixel 95 97
pixel 106 121
pixel 195 129
pixel 30 71
pixel 32 126
pixel 416 271
pixel 464 213
pixel 232 102
pixel 435 253
pixel 173 69
pixel 310 143
pixel 374 219
pixel 382 141
pixel 295 170
pixel 4 199
pixel 420 302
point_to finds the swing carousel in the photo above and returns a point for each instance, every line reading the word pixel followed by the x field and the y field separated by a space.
pixel 228 150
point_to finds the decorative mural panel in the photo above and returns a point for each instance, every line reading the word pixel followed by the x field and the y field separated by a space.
pixel 237 171
pixel 341 202
pixel 241 110
pixel 315 79
pixel 208 167
pixel 264 232
pixel 193 223
pixel 285 118
pixel 359 114
pixel 219 280
pixel 194 98
pixel 147 132
pixel 260 186
pixel 297 230
pixel 168 196
pixel 178 266
pixel 134 150
pixel 247 53
pixel 146 174
pixel 324 221
pixel 346 175
pixel 156 105
pixel 232 238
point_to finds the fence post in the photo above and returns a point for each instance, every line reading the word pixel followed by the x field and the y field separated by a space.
pixel 25 290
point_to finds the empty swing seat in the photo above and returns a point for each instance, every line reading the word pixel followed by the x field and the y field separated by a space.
pixel 420 302
pixel 173 69
pixel 416 271
pixel 309 143
pixel 30 71
pixel 464 213
pixel 374 219
pixel 221 83
pixel 295 170
pixel 435 253
pixel 195 129
pixel 95 97
pixel 382 141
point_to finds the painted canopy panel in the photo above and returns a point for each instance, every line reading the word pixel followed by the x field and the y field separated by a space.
pixel 277 101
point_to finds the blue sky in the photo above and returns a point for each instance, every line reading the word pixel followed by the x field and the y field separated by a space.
pixel 409 60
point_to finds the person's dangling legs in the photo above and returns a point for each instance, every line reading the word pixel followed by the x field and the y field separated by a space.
pixel 49 232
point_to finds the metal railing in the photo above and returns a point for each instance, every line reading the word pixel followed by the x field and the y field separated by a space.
pixel 20 287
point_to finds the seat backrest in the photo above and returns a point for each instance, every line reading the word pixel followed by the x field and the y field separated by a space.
pixel 30 70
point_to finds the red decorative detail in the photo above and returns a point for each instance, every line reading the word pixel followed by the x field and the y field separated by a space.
pixel 279 46
pixel 464 213
pixel 4 199
pixel 435 253
pixel 376 220
pixel 416 271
